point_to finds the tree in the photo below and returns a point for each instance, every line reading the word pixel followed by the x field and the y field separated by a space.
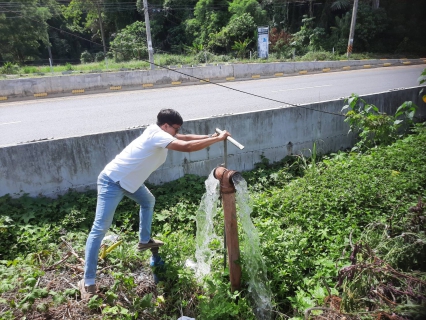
pixel 23 27
pixel 209 17
pixel 371 24
pixel 238 30
pixel 100 18
pixel 130 43
pixel 340 33
pixel 252 7
pixel 309 37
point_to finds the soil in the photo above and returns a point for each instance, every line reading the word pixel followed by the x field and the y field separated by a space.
pixel 66 277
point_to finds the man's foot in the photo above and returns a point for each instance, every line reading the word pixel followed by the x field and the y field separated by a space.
pixel 86 292
pixel 152 243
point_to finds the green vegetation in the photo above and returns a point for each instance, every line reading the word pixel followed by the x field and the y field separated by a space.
pixel 376 128
pixel 346 229
pixel 201 31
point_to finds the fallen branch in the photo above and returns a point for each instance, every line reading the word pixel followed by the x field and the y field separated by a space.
pixel 106 268
pixel 59 262
pixel 69 283
pixel 38 282
pixel 72 251
pixel 75 268
pixel 125 298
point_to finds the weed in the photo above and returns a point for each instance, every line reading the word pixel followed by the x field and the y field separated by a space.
pixel 374 127
pixel 9 68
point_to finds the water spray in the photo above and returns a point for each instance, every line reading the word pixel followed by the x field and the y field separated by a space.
pixel 230 187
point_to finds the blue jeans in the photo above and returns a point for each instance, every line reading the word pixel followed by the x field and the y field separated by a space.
pixel 110 194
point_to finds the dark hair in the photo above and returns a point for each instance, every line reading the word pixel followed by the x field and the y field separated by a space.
pixel 169 116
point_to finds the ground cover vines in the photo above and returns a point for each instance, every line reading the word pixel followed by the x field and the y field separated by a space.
pixel 348 227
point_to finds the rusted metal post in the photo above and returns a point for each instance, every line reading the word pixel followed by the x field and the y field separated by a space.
pixel 227 191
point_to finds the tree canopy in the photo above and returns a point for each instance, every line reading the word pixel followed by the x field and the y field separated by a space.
pixel 217 26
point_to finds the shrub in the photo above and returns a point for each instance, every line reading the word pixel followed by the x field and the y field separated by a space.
pixel 375 127
pixel 28 69
pixel 279 40
pixel 318 56
pixel 86 57
pixel 68 66
pixel 130 42
pixel 9 68
pixel 223 58
pixel 99 56
pixel 204 57
pixel 169 59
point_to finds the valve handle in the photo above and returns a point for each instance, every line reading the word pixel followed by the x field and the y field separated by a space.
pixel 233 141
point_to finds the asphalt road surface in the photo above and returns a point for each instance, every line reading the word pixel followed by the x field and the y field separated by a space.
pixel 29 120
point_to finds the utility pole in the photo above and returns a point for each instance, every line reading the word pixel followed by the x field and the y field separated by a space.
pixel 148 34
pixel 311 11
pixel 352 32
pixel 48 44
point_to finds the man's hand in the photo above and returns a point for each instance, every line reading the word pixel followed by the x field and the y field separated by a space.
pixel 223 135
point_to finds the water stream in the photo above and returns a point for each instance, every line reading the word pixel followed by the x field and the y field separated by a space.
pixel 205 227
pixel 252 261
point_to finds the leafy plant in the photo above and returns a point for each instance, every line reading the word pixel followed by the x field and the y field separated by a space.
pixel 374 127
pixel 130 42
pixel 241 47
pixel 9 68
pixel 421 80
pixel 28 69
pixel 86 57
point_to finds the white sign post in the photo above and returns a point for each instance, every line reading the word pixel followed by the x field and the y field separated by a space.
pixel 263 42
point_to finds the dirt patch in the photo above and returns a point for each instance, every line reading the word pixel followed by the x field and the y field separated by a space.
pixel 64 278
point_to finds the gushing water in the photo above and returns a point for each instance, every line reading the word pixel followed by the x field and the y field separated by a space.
pixel 251 254
pixel 253 263
pixel 205 228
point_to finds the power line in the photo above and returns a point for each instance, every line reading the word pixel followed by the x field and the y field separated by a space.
pixel 207 81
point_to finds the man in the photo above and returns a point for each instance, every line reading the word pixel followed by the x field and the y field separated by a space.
pixel 125 176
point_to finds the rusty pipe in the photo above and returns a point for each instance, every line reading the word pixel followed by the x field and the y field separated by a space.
pixel 227 191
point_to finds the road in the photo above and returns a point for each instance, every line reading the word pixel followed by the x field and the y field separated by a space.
pixel 24 121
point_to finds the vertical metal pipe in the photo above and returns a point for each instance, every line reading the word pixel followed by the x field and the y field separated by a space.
pixel 231 232
pixel 227 191
pixel 225 154
pixel 225 164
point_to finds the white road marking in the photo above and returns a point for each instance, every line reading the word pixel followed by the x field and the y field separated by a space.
pixel 326 85
pixel 10 122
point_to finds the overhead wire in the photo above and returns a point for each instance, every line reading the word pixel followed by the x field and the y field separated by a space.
pixel 201 79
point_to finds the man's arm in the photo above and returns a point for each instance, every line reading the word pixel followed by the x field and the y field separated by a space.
pixel 190 137
pixel 196 145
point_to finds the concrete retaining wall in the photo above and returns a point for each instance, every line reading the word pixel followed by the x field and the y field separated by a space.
pixel 81 83
pixel 53 167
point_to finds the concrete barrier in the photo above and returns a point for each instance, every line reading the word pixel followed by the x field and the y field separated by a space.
pixel 53 167
pixel 21 88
